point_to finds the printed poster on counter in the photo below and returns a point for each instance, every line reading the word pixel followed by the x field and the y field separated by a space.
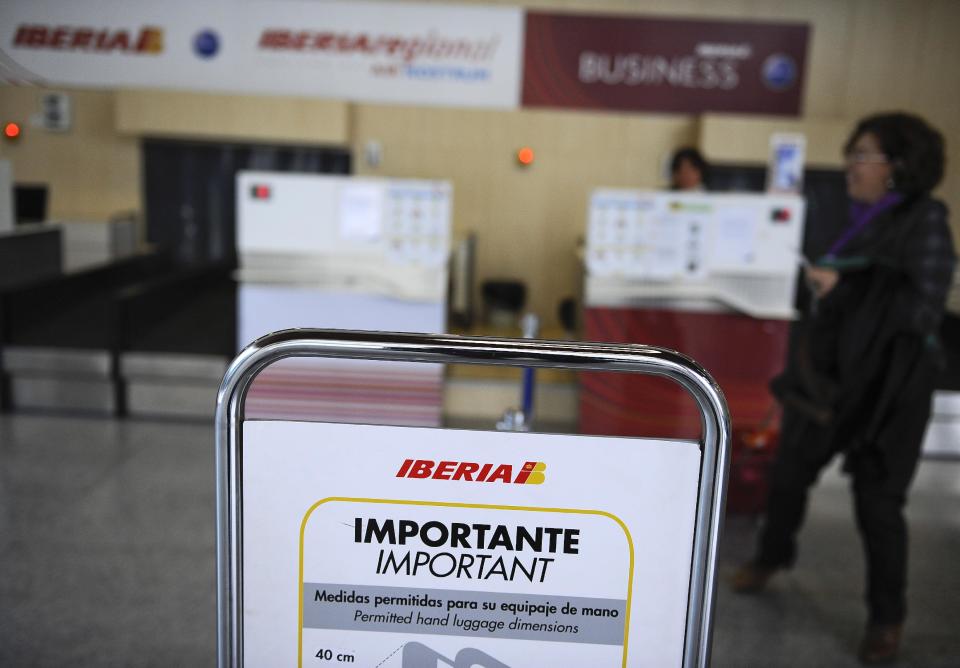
pixel 404 547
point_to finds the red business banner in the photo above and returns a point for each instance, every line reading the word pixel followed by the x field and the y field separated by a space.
pixel 666 65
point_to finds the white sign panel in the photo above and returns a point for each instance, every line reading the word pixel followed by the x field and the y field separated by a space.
pixel 395 221
pixel 361 212
pixel 740 249
pixel 410 548
pixel 785 165
pixel 368 51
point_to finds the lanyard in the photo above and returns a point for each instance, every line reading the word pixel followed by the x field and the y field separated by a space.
pixel 860 216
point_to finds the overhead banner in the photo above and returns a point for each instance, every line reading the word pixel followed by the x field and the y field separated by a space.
pixel 408 53
pixel 366 51
pixel 413 548
pixel 663 65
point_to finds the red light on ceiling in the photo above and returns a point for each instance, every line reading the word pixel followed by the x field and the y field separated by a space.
pixel 525 156
pixel 260 192
pixel 11 130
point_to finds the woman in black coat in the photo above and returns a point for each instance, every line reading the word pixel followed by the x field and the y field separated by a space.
pixel 864 363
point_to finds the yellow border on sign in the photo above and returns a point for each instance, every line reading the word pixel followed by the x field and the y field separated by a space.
pixel 574 511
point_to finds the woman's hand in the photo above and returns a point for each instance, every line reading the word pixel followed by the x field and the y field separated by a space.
pixel 821 279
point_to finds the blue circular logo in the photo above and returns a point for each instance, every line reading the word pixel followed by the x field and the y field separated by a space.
pixel 206 44
pixel 779 71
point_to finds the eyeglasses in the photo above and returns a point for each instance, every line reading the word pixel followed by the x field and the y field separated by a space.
pixel 864 157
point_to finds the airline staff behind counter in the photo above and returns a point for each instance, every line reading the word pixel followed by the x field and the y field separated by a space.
pixel 688 170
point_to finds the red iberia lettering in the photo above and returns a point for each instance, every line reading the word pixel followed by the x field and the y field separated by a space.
pixel 421 469
pixel 407 463
pixel 465 471
pixel 444 469
pixel 531 473
pixel 147 40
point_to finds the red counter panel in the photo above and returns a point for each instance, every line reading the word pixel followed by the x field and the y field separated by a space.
pixel 740 352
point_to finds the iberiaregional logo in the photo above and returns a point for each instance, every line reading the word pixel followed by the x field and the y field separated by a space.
pixel 206 43
pixel 779 71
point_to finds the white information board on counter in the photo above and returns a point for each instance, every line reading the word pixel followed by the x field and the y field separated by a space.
pixel 739 249
pixel 331 251
pixel 404 222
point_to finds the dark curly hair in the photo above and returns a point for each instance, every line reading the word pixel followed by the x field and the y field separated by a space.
pixel 913 147
pixel 691 155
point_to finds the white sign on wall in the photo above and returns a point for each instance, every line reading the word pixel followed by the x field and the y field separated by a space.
pixel 367 51
pixel 785 164
pixel 407 547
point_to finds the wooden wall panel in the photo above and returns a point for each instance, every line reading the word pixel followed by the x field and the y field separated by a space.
pixel 90 170
pixel 747 139
pixel 232 117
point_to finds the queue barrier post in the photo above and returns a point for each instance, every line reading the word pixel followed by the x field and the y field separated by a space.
pixel 525 353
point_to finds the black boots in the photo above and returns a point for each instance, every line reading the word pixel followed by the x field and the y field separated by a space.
pixel 880 643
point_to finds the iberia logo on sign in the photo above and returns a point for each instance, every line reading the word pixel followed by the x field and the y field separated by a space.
pixel 531 473
pixel 146 40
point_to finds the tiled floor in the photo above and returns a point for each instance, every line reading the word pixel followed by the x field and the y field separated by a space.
pixel 107 557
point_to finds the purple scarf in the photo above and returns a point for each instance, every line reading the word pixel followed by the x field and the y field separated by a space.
pixel 860 215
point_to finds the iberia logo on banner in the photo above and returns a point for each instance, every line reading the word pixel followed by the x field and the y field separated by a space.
pixel 146 40
pixel 666 65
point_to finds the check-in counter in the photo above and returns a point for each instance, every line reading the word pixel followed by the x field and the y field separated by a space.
pixel 60 337
pixel 91 243
pixel 345 253
pixel 29 253
pixel 712 276
pixel 177 334
pixel 942 438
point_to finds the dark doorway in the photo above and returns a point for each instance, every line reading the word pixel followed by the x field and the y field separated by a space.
pixel 190 190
